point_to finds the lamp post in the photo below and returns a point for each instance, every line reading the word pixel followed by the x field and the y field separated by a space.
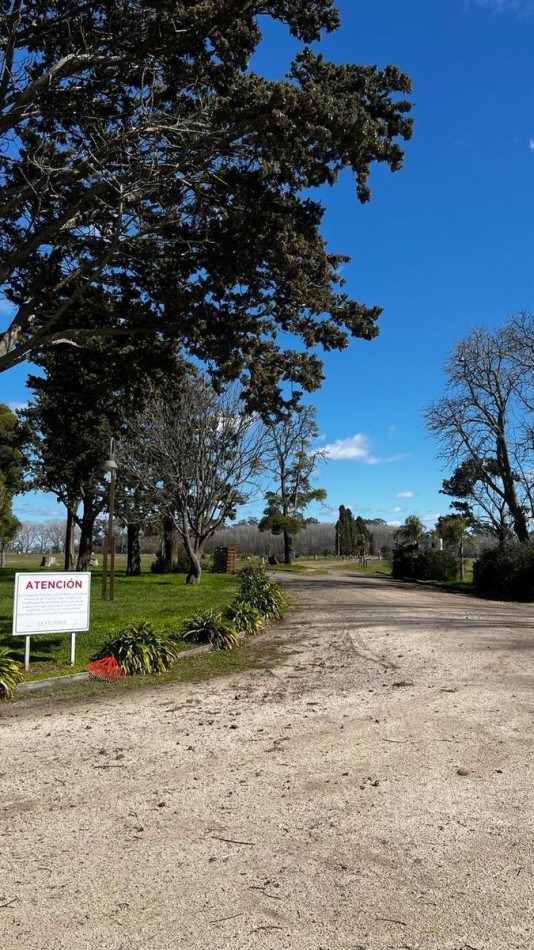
pixel 108 565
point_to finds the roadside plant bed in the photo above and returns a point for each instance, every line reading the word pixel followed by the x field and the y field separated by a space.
pixel 10 674
pixel 163 600
pixel 139 649
pixel 259 599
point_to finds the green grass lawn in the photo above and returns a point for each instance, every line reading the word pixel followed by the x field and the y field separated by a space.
pixel 162 600
pixel 323 565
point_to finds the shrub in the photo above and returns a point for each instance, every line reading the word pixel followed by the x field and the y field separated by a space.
pixel 261 592
pixel 210 627
pixel 182 563
pixel 506 572
pixel 270 601
pixel 10 674
pixel 244 617
pixel 139 649
pixel 430 565
pixel 252 577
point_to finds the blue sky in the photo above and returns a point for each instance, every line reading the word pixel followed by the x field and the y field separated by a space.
pixel 445 244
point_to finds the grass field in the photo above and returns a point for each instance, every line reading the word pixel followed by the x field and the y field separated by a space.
pixel 163 600
pixel 323 565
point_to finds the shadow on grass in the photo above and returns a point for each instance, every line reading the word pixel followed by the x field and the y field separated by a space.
pixel 41 649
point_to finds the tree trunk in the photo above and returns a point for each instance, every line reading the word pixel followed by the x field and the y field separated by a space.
pixel 133 557
pixel 171 544
pixel 288 548
pixel 195 571
pixel 510 494
pixel 69 541
pixel 85 548
pixel 2 553
pixel 194 554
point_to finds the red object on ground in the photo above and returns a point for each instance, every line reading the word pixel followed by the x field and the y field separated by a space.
pixel 107 669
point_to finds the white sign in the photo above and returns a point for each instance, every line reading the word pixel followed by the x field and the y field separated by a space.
pixel 51 603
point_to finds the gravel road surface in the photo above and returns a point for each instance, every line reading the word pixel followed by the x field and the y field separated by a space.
pixel 373 790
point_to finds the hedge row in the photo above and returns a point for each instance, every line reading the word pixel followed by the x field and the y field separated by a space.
pixel 425 565
pixel 506 572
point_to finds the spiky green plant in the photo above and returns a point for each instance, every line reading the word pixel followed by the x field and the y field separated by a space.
pixel 210 626
pixel 139 649
pixel 262 593
pixel 252 579
pixel 244 617
pixel 10 674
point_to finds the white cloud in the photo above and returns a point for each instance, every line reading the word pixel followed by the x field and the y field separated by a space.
pixel 405 494
pixel 531 144
pixel 394 511
pixel 430 518
pixel 356 448
pixel 522 8
pixel 14 406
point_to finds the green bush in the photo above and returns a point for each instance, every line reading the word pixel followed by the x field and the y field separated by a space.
pixel 10 674
pixel 252 578
pixel 506 572
pixel 139 649
pixel 182 563
pixel 261 592
pixel 244 617
pixel 270 601
pixel 210 627
pixel 429 565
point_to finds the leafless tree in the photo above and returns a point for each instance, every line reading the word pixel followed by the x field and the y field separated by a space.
pixel 195 458
pixel 484 422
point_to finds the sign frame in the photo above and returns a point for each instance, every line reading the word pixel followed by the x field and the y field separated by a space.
pixel 57 581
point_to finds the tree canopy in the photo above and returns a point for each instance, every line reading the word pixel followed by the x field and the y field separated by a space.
pixel 484 426
pixel 193 456
pixel 11 473
pixel 144 163
pixel 292 461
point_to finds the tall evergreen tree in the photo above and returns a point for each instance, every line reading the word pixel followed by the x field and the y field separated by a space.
pixel 345 532
pixel 78 406
pixel 11 472
pixel 143 155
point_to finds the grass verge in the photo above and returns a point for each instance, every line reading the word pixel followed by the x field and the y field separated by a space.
pixel 163 600
pixel 263 652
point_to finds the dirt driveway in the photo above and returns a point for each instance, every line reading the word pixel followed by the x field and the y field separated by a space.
pixel 374 790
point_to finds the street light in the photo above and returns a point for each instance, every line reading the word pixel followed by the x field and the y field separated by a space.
pixel 108 566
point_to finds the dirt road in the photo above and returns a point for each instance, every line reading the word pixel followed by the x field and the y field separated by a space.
pixel 374 790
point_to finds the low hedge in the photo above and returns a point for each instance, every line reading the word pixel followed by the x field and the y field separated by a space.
pixel 427 565
pixel 506 572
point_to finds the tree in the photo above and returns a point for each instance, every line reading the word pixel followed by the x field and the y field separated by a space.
pixel 352 534
pixel 363 539
pixel 292 463
pixel 410 534
pixel 194 456
pixel 482 508
pixel 345 532
pixel 9 523
pixel 78 406
pixel 452 529
pixel 483 425
pixel 11 471
pixel 145 163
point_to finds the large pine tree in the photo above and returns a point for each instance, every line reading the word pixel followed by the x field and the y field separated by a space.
pixel 142 155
